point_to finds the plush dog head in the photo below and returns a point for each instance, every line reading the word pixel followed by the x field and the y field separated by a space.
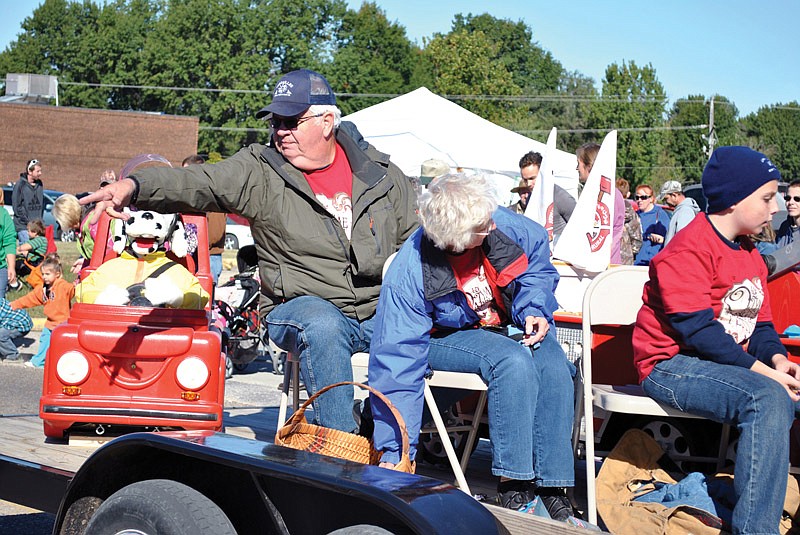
pixel 147 231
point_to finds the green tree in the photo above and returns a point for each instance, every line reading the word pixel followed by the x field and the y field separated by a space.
pixel 374 56
pixel 463 64
pixel 775 131
pixel 632 97
pixel 687 147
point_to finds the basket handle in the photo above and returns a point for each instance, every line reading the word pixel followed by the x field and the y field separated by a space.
pixel 298 416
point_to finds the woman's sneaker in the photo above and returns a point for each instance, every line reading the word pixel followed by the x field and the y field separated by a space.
pixel 515 494
pixel 556 502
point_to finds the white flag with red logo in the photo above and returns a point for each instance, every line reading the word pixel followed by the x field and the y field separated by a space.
pixel 540 204
pixel 586 240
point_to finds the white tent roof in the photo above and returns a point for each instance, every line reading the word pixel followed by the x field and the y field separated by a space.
pixel 420 125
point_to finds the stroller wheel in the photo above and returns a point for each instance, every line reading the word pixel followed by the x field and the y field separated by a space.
pixel 240 366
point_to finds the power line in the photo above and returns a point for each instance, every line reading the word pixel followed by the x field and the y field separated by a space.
pixel 601 130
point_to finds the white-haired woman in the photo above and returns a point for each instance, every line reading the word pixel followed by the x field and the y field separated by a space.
pixel 474 265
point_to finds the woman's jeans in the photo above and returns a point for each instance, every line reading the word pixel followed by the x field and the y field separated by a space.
pixel 530 401
pixel 762 411
pixel 324 339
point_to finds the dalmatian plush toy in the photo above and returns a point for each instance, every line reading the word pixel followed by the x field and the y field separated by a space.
pixel 143 274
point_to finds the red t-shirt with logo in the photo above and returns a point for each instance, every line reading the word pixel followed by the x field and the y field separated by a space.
pixel 480 289
pixel 698 270
pixel 333 187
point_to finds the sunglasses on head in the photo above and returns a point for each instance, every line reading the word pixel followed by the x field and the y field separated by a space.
pixel 289 123
pixel 32 164
pixel 641 197
pixel 788 198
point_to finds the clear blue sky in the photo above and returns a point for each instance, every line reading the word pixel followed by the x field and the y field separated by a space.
pixel 745 50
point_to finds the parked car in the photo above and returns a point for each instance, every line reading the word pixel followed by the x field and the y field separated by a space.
pixel 237 235
pixel 49 196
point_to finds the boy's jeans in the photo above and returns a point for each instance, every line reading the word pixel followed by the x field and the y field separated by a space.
pixel 324 339
pixel 7 346
pixel 530 401
pixel 762 411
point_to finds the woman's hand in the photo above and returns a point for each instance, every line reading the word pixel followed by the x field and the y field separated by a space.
pixel 535 330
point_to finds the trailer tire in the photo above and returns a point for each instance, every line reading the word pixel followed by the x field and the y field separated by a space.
pixel 159 507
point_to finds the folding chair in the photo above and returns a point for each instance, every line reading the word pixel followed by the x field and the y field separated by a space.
pixel 610 305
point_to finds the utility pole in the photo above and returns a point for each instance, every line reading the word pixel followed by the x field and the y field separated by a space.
pixel 712 135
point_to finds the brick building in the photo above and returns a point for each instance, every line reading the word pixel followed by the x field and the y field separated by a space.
pixel 76 144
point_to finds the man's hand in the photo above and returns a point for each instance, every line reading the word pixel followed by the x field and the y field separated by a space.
pixel 111 199
pixel 390 466
pixel 535 330
pixel 656 238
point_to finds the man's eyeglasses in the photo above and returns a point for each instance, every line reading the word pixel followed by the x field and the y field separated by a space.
pixel 641 197
pixel 290 123
pixel 788 198
pixel 32 164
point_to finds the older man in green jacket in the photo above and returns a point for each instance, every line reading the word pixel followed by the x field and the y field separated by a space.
pixel 325 215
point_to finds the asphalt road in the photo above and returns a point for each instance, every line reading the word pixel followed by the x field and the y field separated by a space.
pixel 20 388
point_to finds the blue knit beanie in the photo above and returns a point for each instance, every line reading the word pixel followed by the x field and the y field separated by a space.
pixel 732 174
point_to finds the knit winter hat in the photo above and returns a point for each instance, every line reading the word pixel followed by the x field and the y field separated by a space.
pixel 732 174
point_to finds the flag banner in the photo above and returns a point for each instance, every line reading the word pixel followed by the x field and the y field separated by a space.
pixel 540 205
pixel 586 240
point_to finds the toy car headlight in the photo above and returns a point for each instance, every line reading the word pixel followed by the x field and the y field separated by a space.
pixel 72 368
pixel 192 374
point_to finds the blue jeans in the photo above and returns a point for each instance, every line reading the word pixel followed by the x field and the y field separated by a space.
pixel 760 409
pixel 3 282
pixel 23 237
pixel 44 344
pixel 216 266
pixel 7 346
pixel 324 339
pixel 530 401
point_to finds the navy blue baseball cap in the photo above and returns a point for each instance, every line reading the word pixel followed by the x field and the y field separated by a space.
pixel 296 92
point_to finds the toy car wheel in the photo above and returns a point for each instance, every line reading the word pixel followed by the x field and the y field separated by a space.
pixel 159 506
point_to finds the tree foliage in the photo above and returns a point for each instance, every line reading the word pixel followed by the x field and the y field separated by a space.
pixel 633 98
pixel 775 131
pixel 375 56
pixel 687 147
pixel 138 54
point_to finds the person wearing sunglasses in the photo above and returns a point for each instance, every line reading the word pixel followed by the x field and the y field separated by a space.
pixel 325 215
pixel 789 231
pixel 654 220
pixel 457 284
pixel 27 198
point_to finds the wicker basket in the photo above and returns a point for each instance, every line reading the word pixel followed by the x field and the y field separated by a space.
pixel 297 433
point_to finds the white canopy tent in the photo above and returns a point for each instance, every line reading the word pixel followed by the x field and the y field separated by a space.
pixel 420 125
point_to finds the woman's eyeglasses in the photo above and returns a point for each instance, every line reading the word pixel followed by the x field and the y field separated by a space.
pixel 788 198
pixel 290 123
pixel 641 197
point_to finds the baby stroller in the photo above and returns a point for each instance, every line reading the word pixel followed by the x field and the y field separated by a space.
pixel 237 303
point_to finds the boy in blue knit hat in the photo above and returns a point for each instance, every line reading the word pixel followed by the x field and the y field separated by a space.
pixel 13 324
pixel 704 342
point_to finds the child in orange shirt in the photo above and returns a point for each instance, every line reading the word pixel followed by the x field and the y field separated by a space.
pixel 56 295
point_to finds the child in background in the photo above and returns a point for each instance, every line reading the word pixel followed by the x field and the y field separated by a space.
pixel 704 341
pixel 32 250
pixel 69 213
pixel 56 295
pixel 13 324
